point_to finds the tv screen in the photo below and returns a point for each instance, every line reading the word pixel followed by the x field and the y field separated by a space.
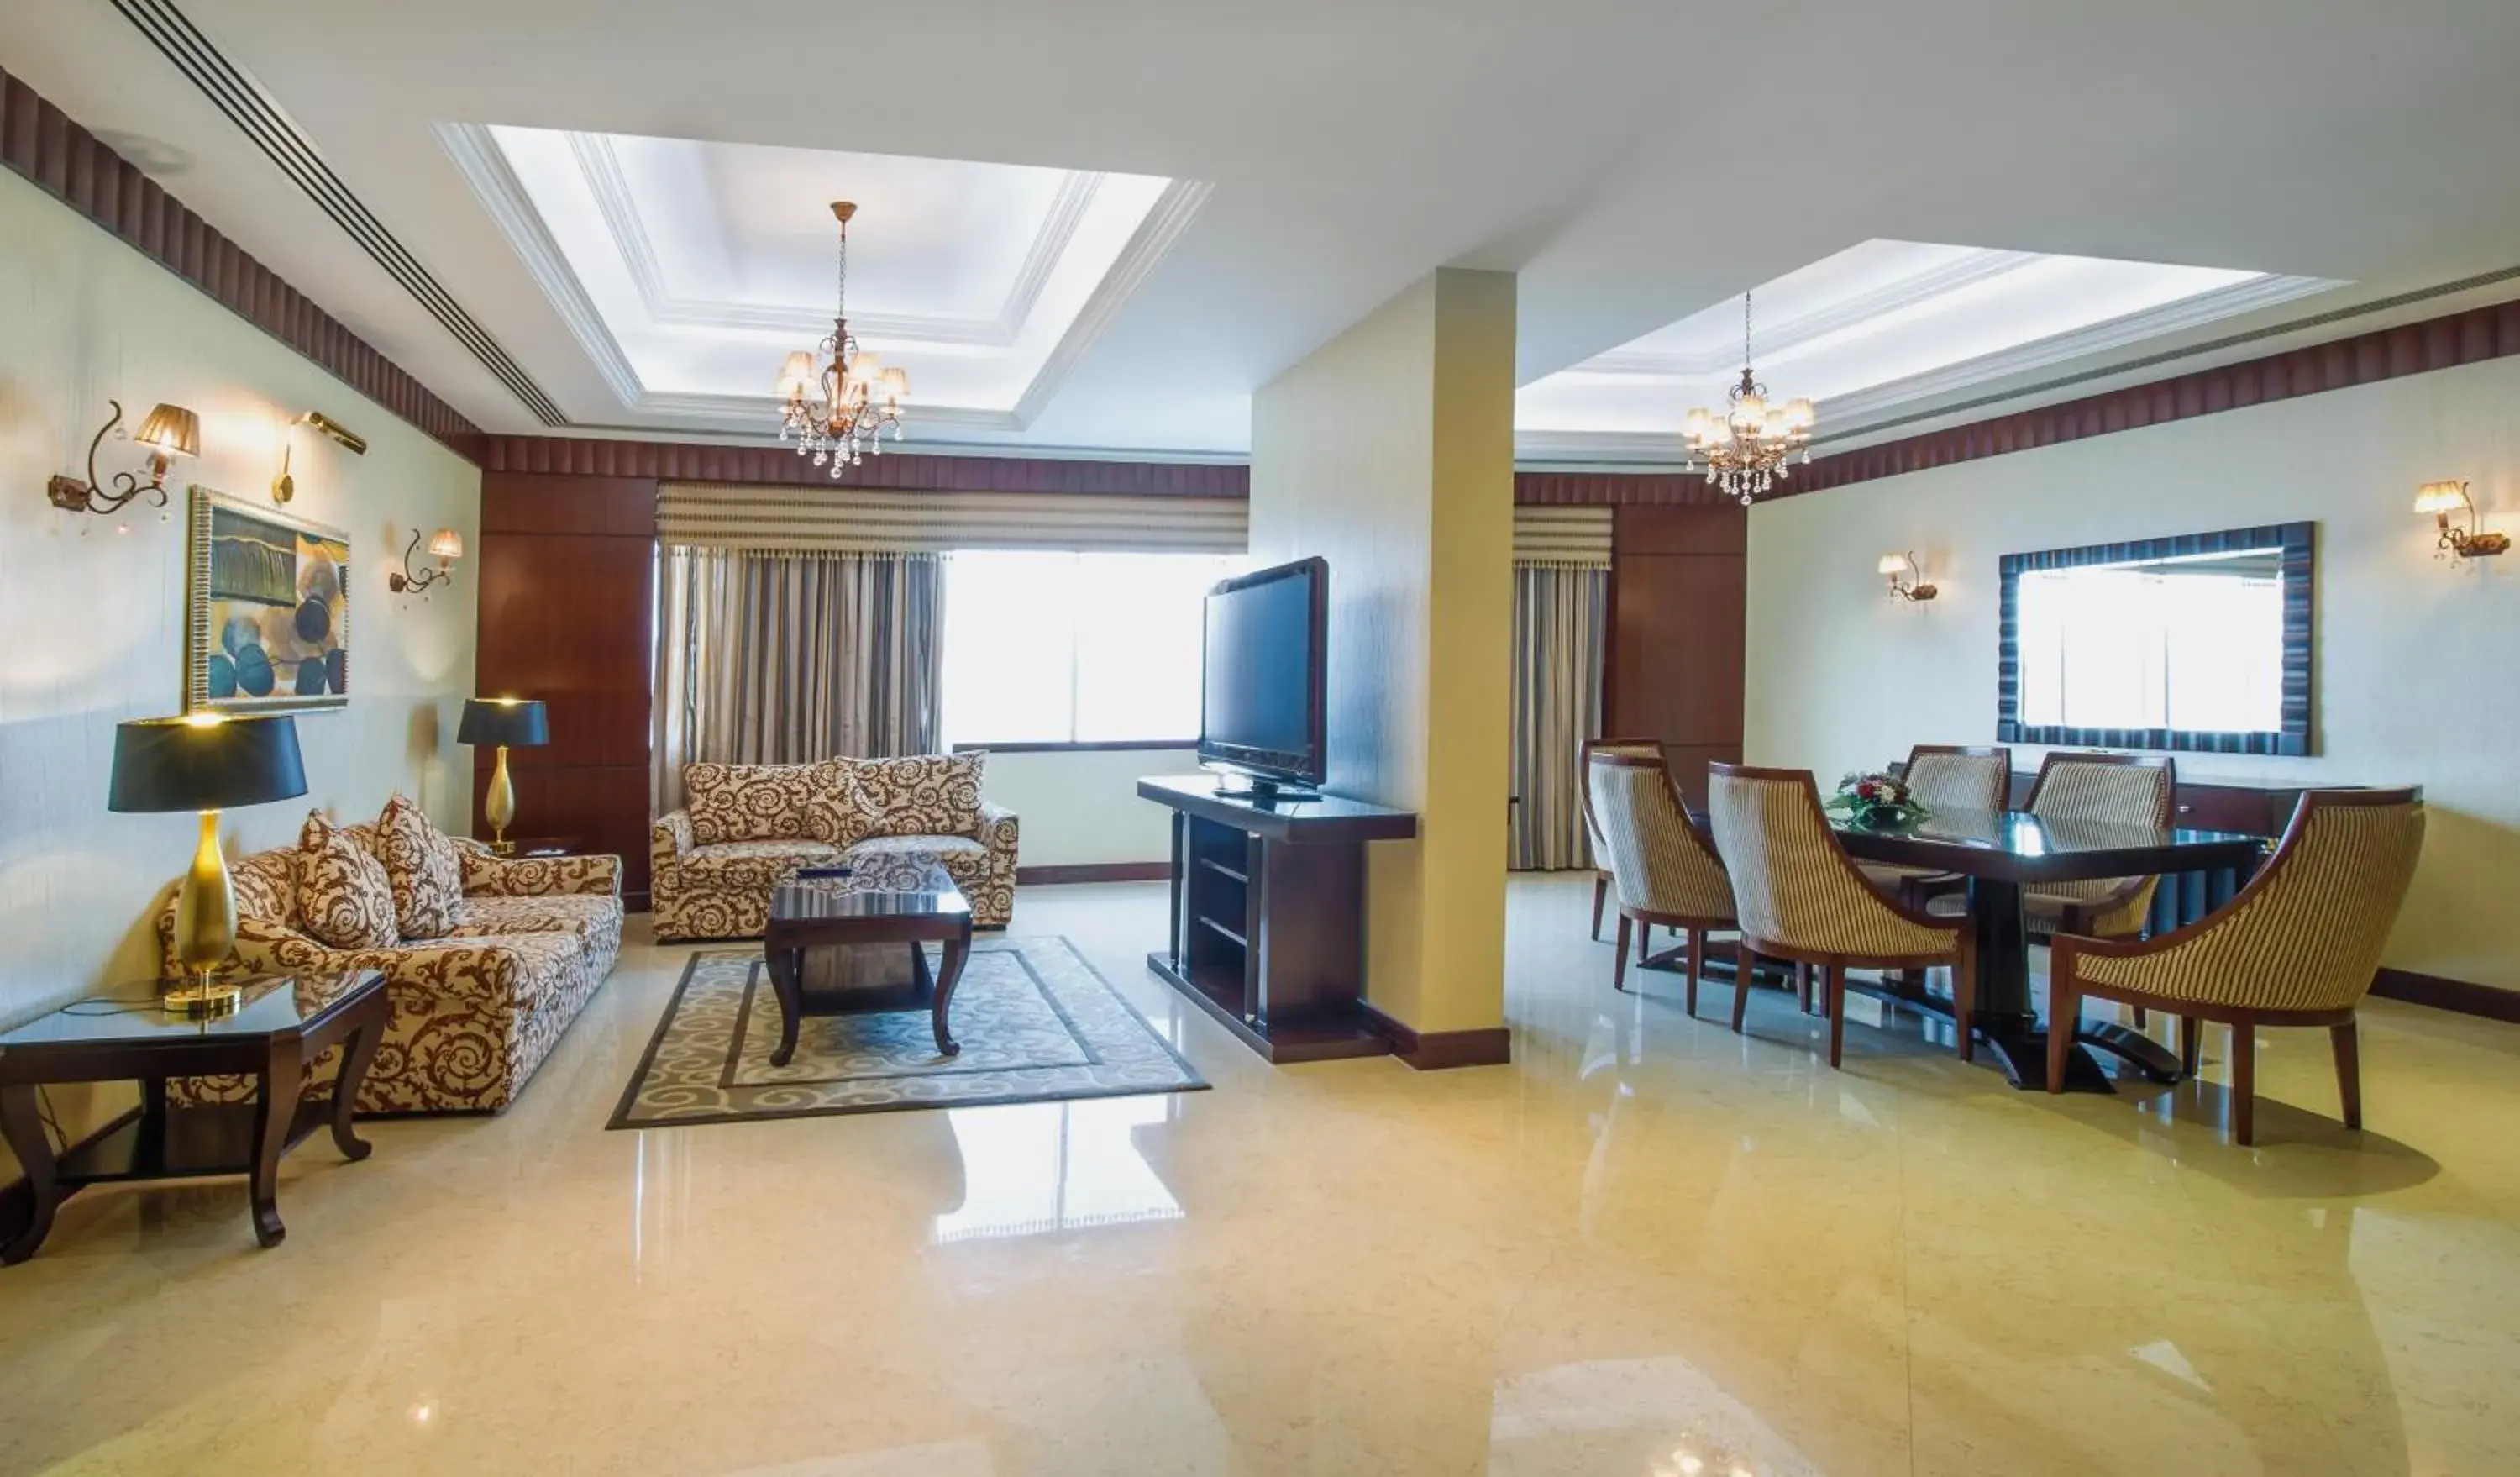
pixel 1261 699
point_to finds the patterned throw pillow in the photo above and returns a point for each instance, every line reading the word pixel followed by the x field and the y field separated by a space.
pixel 925 795
pixel 839 813
pixel 749 803
pixel 420 864
pixel 345 900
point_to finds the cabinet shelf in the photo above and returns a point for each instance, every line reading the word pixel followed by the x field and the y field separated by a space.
pixel 1239 941
pixel 1221 870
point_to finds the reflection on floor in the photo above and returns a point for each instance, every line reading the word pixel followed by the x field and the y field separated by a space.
pixel 1648 1247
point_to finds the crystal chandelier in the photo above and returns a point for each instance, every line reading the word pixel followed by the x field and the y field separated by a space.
pixel 1746 448
pixel 841 399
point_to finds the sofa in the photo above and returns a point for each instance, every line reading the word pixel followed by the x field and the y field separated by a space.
pixel 749 828
pixel 473 1013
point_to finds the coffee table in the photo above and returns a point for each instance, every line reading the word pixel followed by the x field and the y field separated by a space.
pixel 876 919
pixel 284 1022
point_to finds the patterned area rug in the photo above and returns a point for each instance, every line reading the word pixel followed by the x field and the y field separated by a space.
pixel 1036 1024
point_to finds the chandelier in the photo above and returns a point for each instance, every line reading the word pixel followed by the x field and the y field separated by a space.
pixel 1746 448
pixel 841 399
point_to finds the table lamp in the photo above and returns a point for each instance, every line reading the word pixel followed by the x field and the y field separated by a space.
pixel 503 721
pixel 205 762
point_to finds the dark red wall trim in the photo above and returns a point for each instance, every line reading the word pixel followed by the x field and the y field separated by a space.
pixel 40 141
pixel 908 472
pixel 2412 348
pixel 1617 489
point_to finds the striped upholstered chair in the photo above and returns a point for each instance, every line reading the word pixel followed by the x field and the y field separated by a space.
pixel 1801 897
pixel 2131 789
pixel 1664 870
pixel 1634 747
pixel 2298 947
pixel 1945 776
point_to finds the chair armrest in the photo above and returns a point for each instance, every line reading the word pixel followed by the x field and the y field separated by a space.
pixel 998 827
pixel 487 876
pixel 669 841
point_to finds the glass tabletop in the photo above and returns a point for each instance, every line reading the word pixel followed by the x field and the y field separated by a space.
pixel 272 1003
pixel 2022 834
pixel 870 890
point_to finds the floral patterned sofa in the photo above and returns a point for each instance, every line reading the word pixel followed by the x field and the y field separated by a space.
pixel 474 1012
pixel 750 826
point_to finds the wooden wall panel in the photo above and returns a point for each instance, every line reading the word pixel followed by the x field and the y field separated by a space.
pixel 1678 612
pixel 895 470
pixel 567 570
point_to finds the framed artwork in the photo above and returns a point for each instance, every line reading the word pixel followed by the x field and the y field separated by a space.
pixel 267 607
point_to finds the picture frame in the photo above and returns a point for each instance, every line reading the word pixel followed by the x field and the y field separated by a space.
pixel 267 608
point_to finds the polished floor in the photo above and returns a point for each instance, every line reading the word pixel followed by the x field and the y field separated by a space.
pixel 1647 1244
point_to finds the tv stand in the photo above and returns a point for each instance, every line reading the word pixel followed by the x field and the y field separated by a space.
pixel 1267 930
pixel 1266 792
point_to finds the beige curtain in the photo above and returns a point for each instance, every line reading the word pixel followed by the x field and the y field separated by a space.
pixel 782 657
pixel 1560 613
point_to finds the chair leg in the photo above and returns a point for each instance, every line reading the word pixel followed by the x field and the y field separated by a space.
pixel 1834 978
pixel 2191 1044
pixel 1744 969
pixel 1803 984
pixel 1601 895
pixel 2244 1083
pixel 2064 1006
pixel 1619 963
pixel 1697 954
pixel 2138 1017
pixel 1965 1002
pixel 2349 1071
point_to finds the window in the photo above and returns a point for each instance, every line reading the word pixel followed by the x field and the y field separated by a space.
pixel 1056 647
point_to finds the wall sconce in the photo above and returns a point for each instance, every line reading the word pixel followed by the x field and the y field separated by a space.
pixel 446 544
pixel 1907 581
pixel 2440 500
pixel 169 431
pixel 357 443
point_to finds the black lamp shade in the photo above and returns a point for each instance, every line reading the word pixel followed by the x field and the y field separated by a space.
pixel 517 722
pixel 205 764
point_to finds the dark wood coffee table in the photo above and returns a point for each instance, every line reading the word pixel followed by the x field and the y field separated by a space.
pixel 882 915
pixel 284 1022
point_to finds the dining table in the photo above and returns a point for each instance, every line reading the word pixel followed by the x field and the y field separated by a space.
pixel 2003 852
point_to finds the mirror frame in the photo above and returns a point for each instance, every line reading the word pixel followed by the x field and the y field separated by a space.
pixel 2298 541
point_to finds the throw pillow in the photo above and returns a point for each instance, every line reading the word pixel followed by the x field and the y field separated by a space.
pixel 924 796
pixel 420 864
pixel 345 900
pixel 749 802
pixel 840 814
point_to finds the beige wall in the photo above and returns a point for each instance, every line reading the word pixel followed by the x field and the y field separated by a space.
pixel 1388 451
pixel 1080 807
pixel 91 622
pixel 2413 656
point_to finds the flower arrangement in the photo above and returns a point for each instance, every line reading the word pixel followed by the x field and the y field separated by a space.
pixel 1870 799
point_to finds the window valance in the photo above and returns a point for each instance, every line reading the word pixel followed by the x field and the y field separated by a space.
pixel 1550 535
pixel 845 519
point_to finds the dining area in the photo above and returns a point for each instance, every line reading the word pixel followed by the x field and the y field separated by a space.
pixel 2011 908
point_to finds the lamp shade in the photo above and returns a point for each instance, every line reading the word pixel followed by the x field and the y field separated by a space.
pixel 517 722
pixel 1892 564
pixel 205 762
pixel 446 544
pixel 2441 497
pixel 172 430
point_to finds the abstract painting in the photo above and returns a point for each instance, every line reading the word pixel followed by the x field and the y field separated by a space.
pixel 268 610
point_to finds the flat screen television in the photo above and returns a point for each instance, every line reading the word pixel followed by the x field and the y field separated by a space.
pixel 1261 692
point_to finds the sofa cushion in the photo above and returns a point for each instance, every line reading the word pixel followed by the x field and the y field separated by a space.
pixel 343 899
pixel 839 813
pixel 924 794
pixel 420 863
pixel 899 861
pixel 749 803
pixel 749 866
pixel 559 912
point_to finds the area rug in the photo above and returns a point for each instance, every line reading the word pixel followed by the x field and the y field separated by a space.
pixel 1036 1024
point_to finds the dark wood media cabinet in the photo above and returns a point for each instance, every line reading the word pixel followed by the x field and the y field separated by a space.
pixel 1267 929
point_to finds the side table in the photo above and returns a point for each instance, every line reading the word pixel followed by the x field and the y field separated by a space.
pixel 284 1022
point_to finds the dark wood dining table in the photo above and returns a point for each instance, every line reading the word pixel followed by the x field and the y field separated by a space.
pixel 2002 852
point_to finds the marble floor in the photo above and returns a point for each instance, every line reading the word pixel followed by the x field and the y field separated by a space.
pixel 1647 1238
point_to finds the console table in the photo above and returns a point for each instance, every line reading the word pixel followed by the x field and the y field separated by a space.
pixel 1268 915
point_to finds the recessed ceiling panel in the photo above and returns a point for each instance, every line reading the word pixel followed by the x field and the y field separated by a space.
pixel 689 269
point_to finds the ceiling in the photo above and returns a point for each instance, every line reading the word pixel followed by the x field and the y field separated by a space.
pixel 1292 165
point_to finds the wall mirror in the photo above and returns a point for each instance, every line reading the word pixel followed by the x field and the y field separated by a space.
pixel 2200 642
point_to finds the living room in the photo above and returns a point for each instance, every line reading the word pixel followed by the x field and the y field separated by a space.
pixel 1092 771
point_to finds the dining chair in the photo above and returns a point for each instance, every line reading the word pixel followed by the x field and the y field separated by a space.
pixel 1591 833
pixel 1665 869
pixel 2297 947
pixel 1945 776
pixel 2129 789
pixel 1800 897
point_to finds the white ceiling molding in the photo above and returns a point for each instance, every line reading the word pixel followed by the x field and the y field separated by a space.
pixel 619 204
pixel 477 157
pixel 1783 338
pixel 1172 214
pixel 747 413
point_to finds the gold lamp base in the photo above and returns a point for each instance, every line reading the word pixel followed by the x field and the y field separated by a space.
pixel 205 932
pixel 499 806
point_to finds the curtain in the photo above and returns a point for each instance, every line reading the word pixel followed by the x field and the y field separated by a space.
pixel 784 657
pixel 1560 613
